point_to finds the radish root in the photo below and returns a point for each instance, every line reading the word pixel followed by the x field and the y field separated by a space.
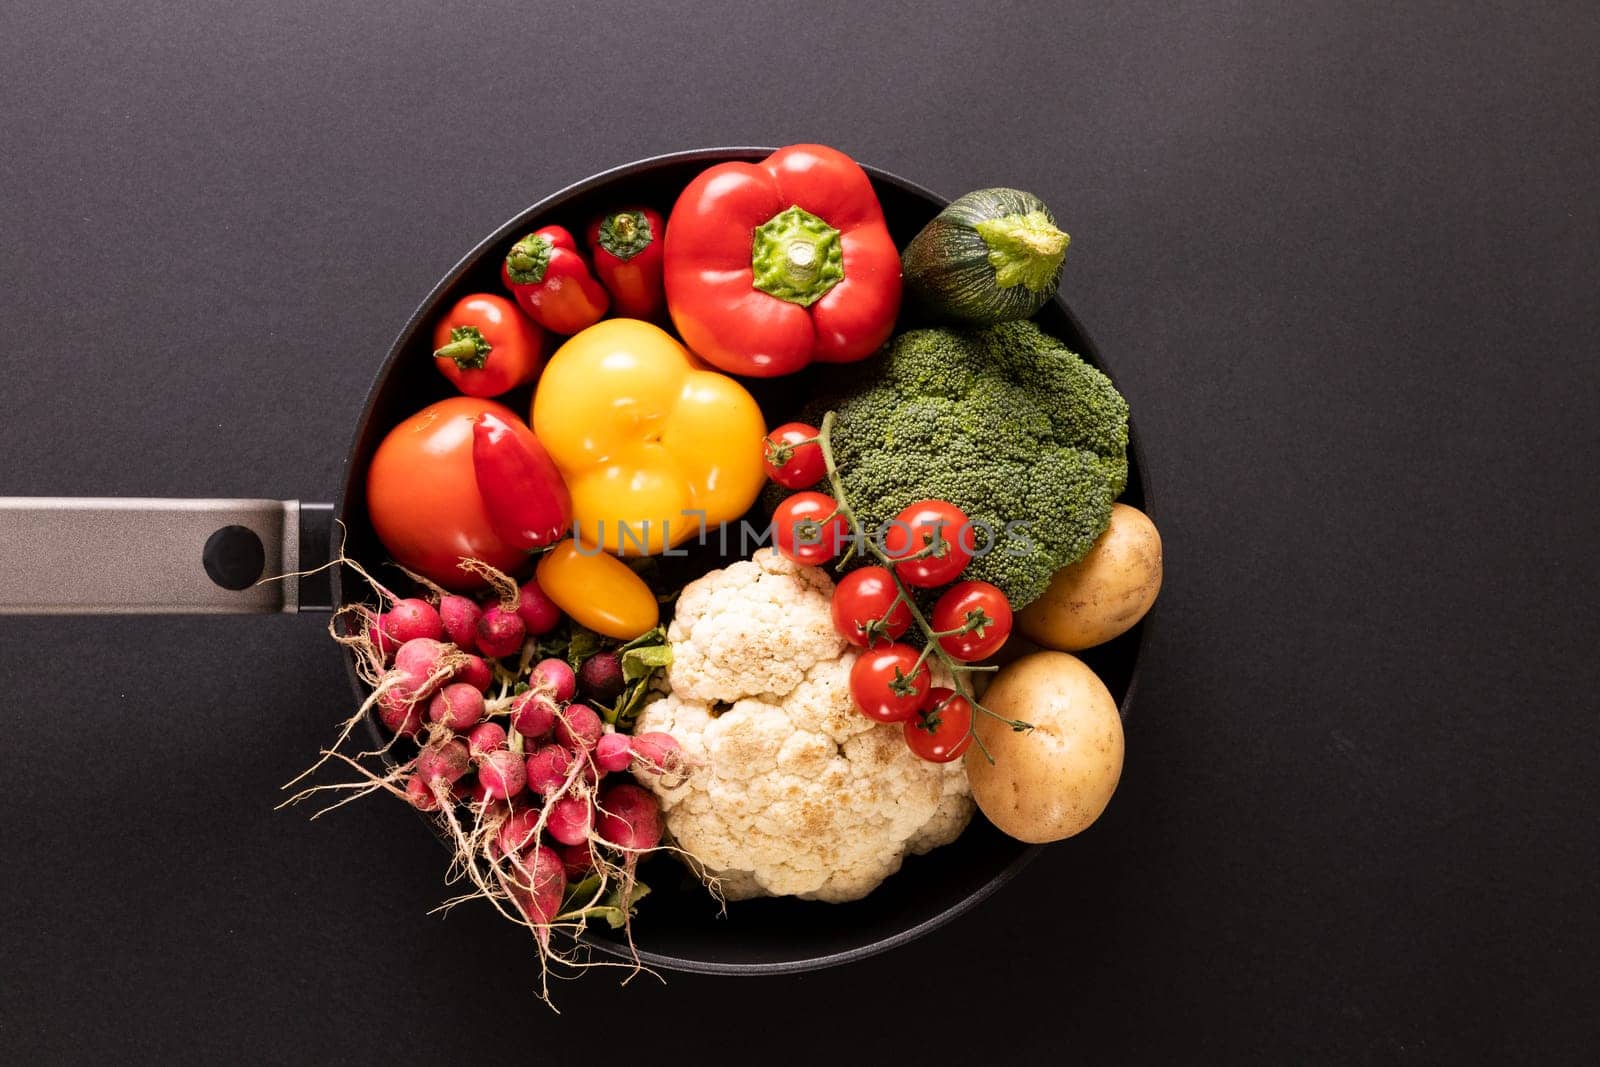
pixel 505 586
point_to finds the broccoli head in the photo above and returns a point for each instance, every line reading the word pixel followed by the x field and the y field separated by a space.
pixel 1005 423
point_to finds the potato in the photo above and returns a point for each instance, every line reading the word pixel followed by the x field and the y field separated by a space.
pixel 1104 593
pixel 1055 780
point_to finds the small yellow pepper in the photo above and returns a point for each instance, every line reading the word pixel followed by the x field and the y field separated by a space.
pixel 598 591
pixel 650 443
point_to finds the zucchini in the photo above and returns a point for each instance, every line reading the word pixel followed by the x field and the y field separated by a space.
pixel 993 255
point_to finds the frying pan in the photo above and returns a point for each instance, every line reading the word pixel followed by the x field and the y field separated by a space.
pixel 123 555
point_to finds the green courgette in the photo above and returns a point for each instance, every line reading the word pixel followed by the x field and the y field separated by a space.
pixel 993 255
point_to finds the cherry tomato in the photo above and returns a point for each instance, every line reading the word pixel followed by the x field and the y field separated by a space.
pixel 422 495
pixel 867 609
pixel 887 685
pixel 802 465
pixel 942 730
pixel 803 532
pixel 980 606
pixel 922 524
pixel 486 346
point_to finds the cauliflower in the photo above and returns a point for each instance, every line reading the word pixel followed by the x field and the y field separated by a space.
pixel 793 791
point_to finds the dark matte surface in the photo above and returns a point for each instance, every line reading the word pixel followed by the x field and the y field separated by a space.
pixel 1345 264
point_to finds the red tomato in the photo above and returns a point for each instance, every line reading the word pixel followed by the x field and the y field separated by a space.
pixel 942 730
pixel 922 524
pixel 486 346
pixel 867 609
pixel 804 466
pixel 422 495
pixel 980 606
pixel 887 685
pixel 803 531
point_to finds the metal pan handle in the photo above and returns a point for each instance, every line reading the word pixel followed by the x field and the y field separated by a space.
pixel 113 555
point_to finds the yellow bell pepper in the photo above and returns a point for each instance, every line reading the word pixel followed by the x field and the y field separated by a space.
pixel 651 444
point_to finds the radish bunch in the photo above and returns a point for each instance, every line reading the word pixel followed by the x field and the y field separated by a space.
pixel 521 774
pixel 529 771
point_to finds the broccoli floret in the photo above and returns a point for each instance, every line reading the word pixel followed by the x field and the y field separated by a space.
pixel 1005 423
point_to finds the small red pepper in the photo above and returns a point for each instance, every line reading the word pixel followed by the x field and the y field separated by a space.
pixel 626 246
pixel 523 493
pixel 485 346
pixel 772 265
pixel 551 282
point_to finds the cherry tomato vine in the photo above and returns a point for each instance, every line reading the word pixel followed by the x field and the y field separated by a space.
pixel 958 670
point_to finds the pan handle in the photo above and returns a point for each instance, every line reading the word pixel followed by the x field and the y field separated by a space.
pixel 114 555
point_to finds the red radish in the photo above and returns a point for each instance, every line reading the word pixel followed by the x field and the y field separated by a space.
pixel 448 762
pixel 459 616
pixel 658 753
pixel 480 794
pixel 407 620
pixel 458 706
pixel 420 795
pixel 577 860
pixel 485 738
pixel 570 820
pixel 476 673
pixel 461 791
pixel 502 775
pixel 601 677
pixel 398 712
pixel 517 832
pixel 547 769
pixel 537 884
pixel 613 752
pixel 381 641
pixel 578 727
pixel 532 714
pixel 554 678
pixel 539 613
pixel 629 818
pixel 420 656
pixel 500 632
pixel 418 660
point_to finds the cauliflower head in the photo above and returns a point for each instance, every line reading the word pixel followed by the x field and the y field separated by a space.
pixel 792 791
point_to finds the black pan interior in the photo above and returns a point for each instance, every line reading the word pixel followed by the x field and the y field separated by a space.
pixel 679 926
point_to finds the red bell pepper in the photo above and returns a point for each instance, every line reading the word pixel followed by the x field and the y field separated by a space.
pixel 485 346
pixel 626 246
pixel 522 491
pixel 774 264
pixel 551 282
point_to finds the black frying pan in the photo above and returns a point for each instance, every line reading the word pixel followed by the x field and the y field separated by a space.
pixel 136 556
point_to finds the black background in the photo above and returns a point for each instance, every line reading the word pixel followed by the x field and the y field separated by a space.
pixel 1343 261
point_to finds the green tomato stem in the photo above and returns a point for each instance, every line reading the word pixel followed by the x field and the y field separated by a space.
pixel 981 746
pixel 467 348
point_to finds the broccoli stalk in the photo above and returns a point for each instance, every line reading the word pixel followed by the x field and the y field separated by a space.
pixel 958 670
